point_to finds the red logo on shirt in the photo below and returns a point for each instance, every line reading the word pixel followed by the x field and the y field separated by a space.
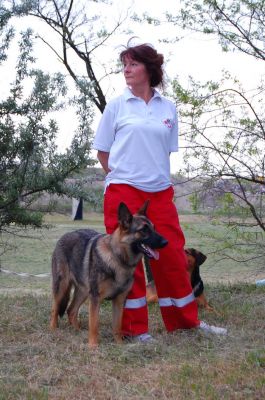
pixel 168 123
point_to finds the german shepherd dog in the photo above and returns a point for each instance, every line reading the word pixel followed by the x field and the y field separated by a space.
pixel 195 259
pixel 101 266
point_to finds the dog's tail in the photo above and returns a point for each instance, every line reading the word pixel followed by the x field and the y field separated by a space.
pixel 61 284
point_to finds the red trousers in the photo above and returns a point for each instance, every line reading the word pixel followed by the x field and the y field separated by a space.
pixel 177 304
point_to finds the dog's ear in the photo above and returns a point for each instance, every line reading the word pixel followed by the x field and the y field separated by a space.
pixel 124 216
pixel 200 258
pixel 143 209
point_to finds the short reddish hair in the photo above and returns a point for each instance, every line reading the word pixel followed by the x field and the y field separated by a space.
pixel 152 60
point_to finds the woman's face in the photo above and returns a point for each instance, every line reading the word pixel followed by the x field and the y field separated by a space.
pixel 135 72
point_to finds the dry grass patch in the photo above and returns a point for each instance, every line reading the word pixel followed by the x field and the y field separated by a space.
pixel 39 364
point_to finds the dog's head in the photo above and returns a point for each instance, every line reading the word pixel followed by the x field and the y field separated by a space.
pixel 138 231
pixel 195 259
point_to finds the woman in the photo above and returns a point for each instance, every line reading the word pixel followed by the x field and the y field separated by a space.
pixel 134 139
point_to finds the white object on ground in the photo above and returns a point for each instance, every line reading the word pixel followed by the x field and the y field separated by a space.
pixel 212 329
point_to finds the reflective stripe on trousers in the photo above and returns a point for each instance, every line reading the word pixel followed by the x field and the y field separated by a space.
pixel 163 302
pixel 168 301
pixel 135 303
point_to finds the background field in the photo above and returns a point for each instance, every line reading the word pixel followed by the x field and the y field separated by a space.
pixel 32 254
pixel 38 364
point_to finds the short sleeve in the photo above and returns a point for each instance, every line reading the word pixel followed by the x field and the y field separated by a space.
pixel 105 132
pixel 174 131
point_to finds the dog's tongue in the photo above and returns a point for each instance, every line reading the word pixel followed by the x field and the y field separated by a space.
pixel 154 253
pixel 151 253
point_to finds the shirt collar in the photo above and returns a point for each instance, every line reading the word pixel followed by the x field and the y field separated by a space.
pixel 128 94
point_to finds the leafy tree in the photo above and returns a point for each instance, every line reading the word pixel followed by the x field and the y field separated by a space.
pixel 30 163
pixel 193 198
pixel 224 123
pixel 225 140
pixel 238 24
pixel 82 34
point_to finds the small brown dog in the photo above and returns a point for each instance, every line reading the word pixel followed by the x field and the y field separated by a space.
pixel 195 259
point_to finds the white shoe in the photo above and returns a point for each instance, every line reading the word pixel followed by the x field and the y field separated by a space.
pixel 143 338
pixel 212 329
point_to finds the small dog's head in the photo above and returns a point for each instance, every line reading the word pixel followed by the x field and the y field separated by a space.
pixel 195 258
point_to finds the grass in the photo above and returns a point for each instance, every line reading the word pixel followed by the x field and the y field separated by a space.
pixel 38 364
pixel 32 254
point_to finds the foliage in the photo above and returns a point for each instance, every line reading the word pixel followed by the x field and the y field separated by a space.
pixel 78 26
pixel 224 127
pixel 29 161
pixel 193 198
pixel 225 141
pixel 239 24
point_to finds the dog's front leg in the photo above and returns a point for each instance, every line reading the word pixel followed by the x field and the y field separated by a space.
pixel 117 312
pixel 94 305
pixel 54 316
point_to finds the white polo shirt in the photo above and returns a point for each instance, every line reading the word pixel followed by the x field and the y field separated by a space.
pixel 138 138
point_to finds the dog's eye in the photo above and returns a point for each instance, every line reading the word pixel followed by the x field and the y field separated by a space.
pixel 145 229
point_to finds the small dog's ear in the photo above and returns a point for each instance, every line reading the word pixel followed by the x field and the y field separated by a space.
pixel 124 216
pixel 200 258
pixel 143 209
